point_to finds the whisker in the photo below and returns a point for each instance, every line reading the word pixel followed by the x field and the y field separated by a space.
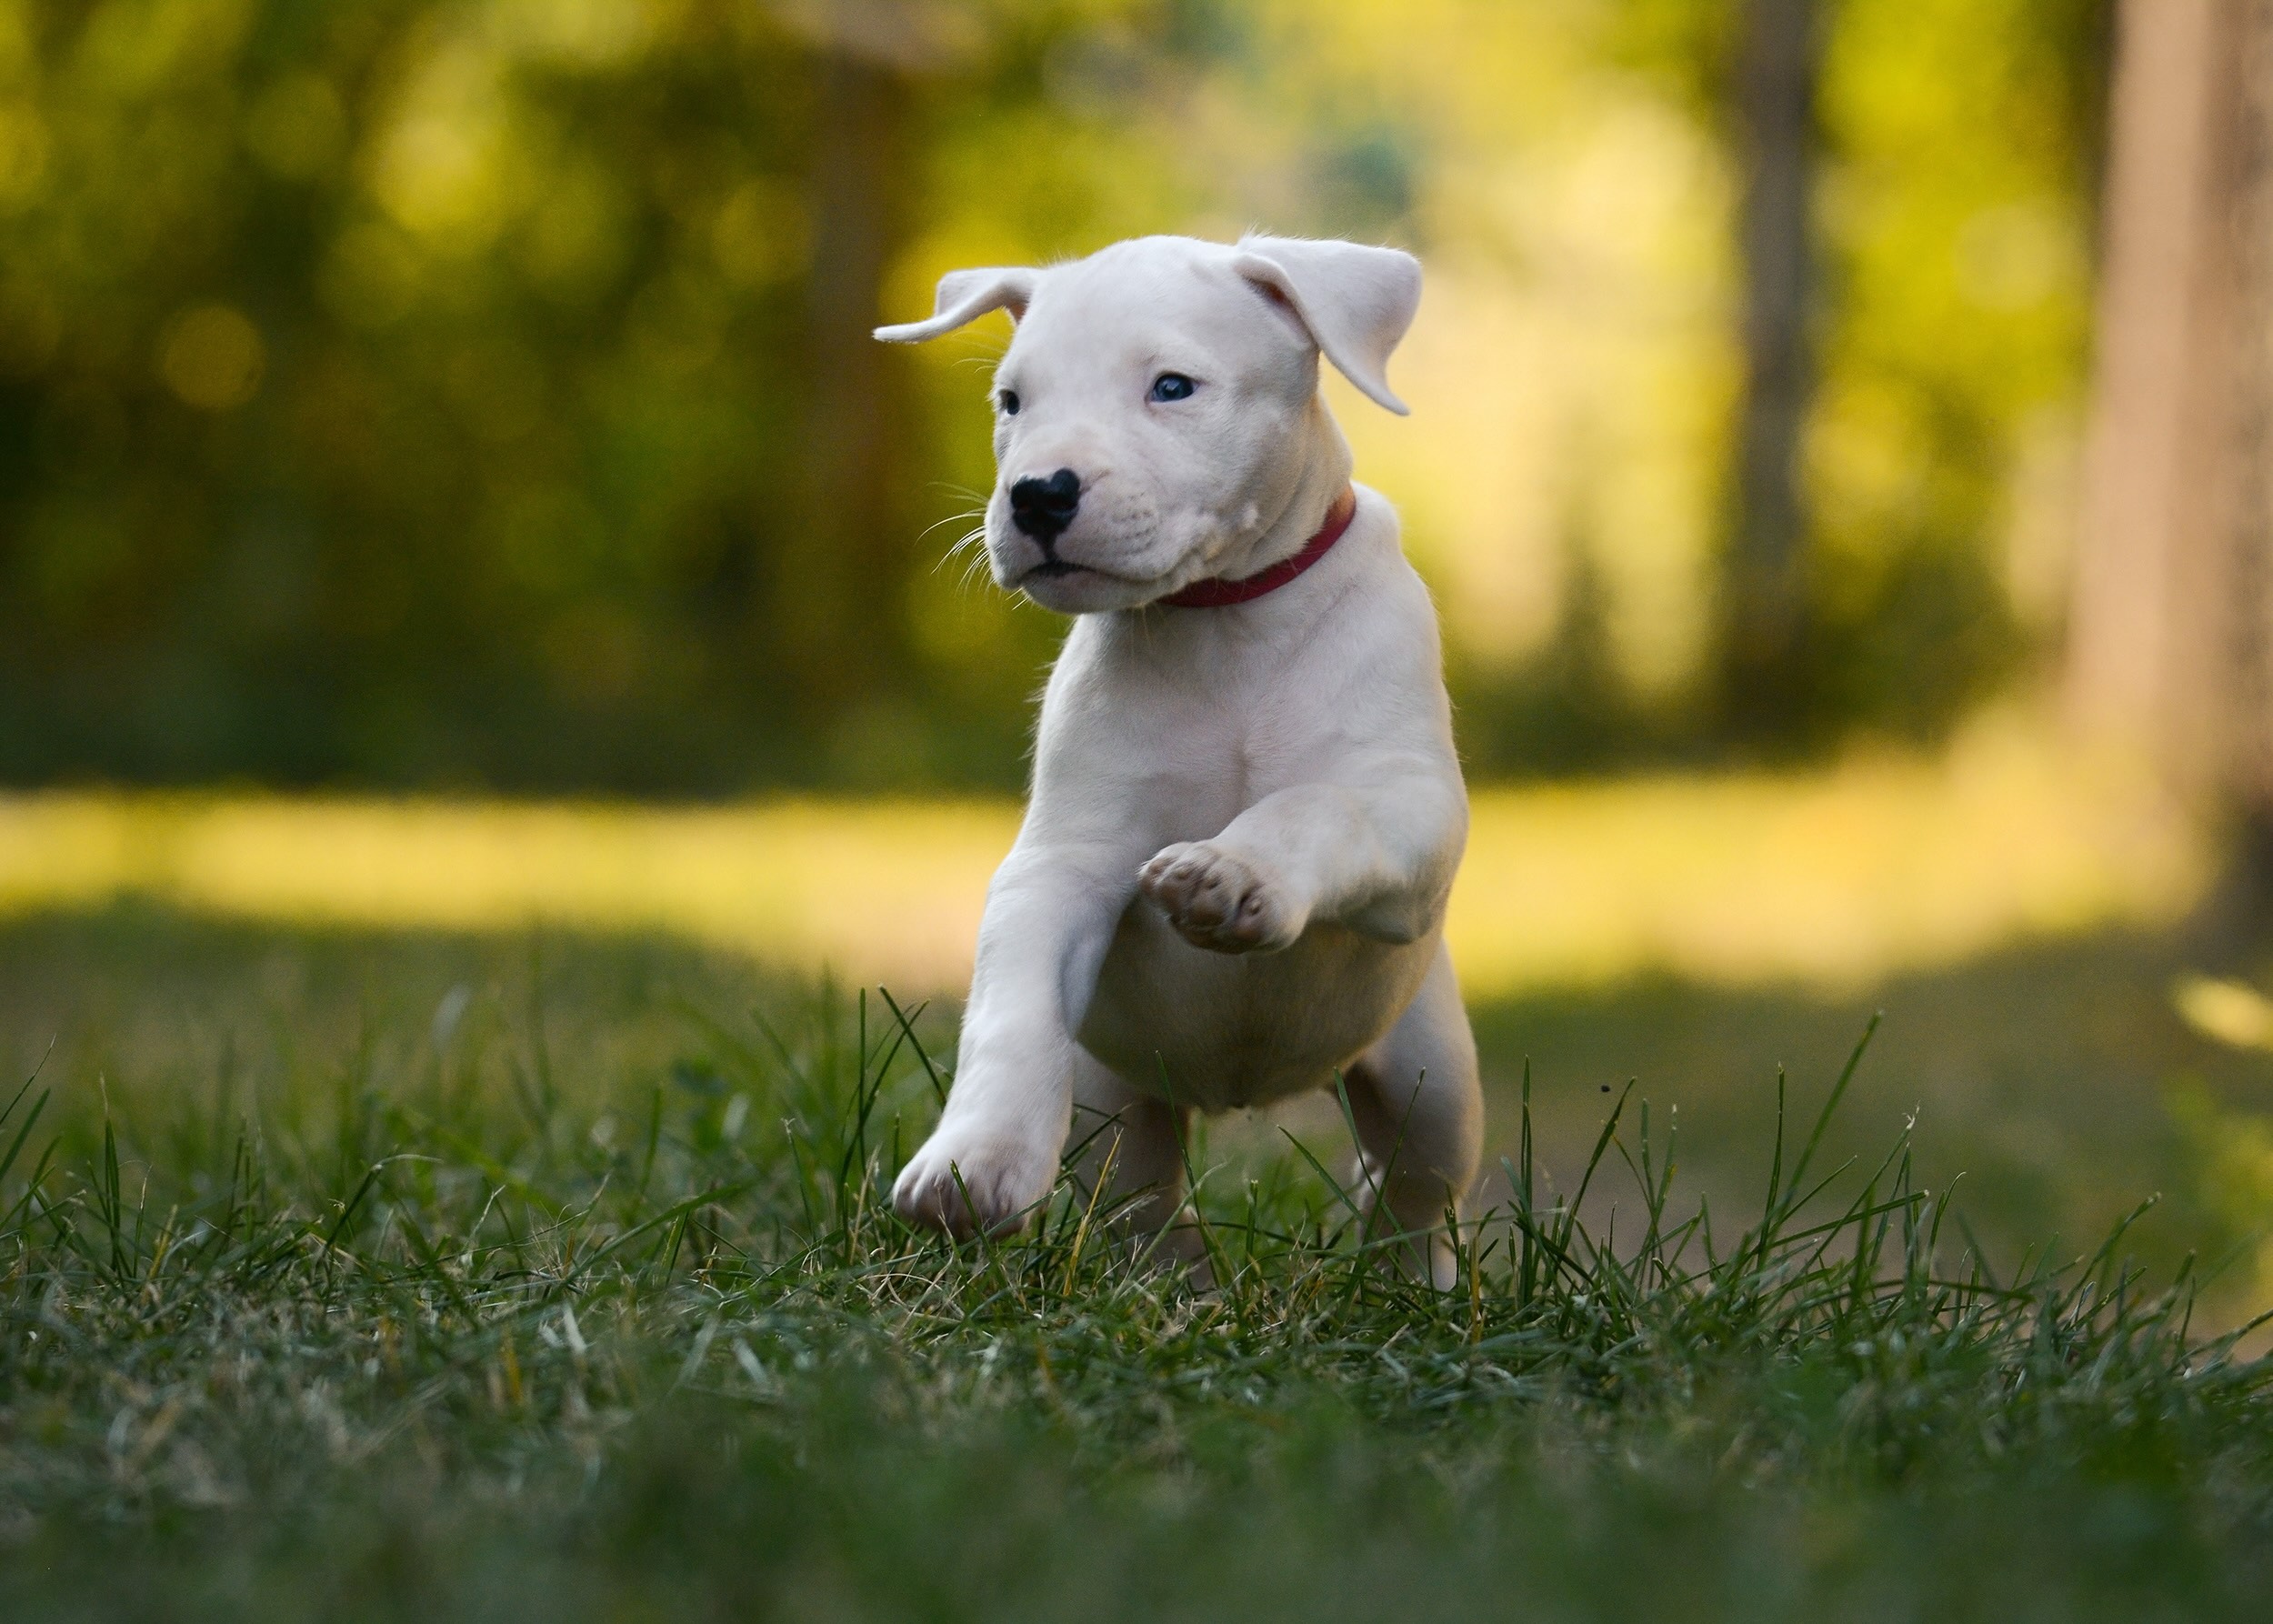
pixel 954 518
pixel 965 544
pixel 976 565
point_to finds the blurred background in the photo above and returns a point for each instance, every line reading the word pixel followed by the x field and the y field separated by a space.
pixel 477 394
pixel 448 492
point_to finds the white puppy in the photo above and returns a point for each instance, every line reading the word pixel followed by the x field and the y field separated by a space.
pixel 1247 808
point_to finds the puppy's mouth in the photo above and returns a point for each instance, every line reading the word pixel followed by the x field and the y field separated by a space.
pixel 1073 589
pixel 1059 569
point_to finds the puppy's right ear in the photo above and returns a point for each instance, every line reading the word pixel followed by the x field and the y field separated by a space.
pixel 964 297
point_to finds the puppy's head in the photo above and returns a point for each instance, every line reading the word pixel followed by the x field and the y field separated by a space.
pixel 1153 412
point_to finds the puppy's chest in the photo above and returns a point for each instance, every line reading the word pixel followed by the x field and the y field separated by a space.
pixel 1232 721
pixel 1222 760
pixel 1192 733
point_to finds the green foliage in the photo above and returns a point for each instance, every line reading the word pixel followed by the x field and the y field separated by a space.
pixel 1959 213
pixel 424 393
pixel 1960 149
pixel 409 392
pixel 397 1345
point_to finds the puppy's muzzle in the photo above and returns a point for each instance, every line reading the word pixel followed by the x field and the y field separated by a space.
pixel 1045 508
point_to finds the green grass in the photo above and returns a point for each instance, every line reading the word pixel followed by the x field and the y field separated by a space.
pixel 574 1297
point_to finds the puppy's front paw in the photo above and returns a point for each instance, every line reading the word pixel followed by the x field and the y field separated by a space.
pixel 1224 903
pixel 1002 1176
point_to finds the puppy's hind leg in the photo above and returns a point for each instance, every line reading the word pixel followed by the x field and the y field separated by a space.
pixel 1418 1105
pixel 1134 1142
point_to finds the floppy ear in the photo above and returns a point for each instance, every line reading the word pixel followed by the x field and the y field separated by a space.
pixel 1356 301
pixel 964 297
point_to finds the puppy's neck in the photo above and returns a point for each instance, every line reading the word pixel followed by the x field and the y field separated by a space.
pixel 1322 475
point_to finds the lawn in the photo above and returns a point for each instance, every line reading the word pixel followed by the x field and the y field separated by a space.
pixel 366 1265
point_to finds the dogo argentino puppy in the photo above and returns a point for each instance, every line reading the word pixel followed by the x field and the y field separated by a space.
pixel 1247 808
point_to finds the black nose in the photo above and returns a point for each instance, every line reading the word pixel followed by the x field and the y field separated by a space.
pixel 1043 508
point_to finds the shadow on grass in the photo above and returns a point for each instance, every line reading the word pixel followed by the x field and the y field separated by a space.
pixel 2044 1074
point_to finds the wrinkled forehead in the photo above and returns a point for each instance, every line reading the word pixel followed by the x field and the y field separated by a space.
pixel 1159 296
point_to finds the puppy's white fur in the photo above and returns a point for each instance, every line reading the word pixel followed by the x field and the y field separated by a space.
pixel 1230 883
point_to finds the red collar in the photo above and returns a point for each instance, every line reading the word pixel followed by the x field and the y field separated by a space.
pixel 1215 593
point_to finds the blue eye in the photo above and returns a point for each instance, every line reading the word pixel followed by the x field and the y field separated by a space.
pixel 1172 386
pixel 1008 400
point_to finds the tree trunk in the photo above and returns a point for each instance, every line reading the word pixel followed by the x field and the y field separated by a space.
pixel 1764 594
pixel 2247 747
pixel 2171 636
pixel 840 573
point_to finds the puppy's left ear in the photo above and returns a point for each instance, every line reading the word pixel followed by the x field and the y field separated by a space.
pixel 1354 301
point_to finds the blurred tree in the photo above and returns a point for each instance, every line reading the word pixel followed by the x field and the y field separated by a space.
pixel 2171 653
pixel 477 393
pixel 851 504
pixel 425 393
pixel 1959 201
pixel 1765 592
pixel 1916 183
pixel 855 469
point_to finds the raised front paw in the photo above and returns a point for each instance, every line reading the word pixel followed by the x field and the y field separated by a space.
pixel 1224 903
pixel 963 1182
